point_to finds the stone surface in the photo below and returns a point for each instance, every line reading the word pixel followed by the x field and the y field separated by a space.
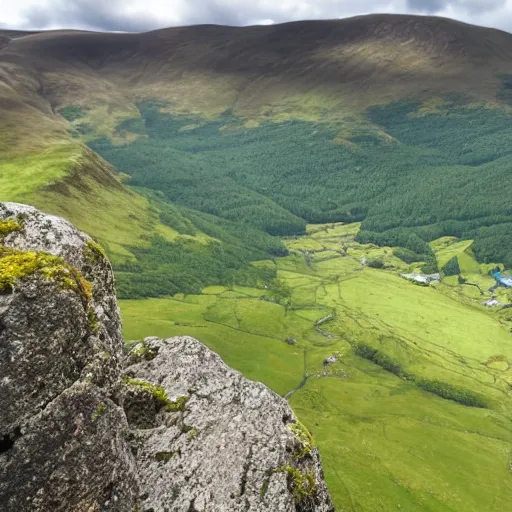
pixel 72 456
pixel 50 336
pixel 233 447
pixel 175 430
pixel 54 235
pixel 59 360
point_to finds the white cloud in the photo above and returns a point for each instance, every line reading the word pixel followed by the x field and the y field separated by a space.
pixel 471 7
pixel 137 15
pixel 497 14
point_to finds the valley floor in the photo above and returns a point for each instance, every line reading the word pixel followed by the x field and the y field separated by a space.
pixel 388 438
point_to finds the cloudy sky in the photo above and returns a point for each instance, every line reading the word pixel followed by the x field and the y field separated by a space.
pixel 139 15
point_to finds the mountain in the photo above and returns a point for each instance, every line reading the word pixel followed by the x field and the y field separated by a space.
pixel 376 100
pixel 254 66
pixel 280 193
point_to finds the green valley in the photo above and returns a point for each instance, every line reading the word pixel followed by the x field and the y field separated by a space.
pixel 388 438
pixel 401 172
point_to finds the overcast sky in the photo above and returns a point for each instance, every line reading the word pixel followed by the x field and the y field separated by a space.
pixel 140 15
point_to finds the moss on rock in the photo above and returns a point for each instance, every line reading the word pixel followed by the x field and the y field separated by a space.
pixel 93 252
pixel 9 226
pixel 98 412
pixel 142 353
pixel 16 265
pixel 164 457
pixel 303 435
pixel 302 484
pixel 178 405
pixel 93 320
pixel 192 433
pixel 159 394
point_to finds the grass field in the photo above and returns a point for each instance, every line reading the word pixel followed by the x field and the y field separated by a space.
pixel 386 444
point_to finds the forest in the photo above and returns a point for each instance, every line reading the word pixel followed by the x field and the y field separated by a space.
pixel 188 265
pixel 410 175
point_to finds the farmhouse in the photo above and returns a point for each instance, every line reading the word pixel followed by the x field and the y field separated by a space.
pixel 502 281
pixel 425 279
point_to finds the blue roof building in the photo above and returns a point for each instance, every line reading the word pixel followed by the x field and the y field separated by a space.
pixel 502 281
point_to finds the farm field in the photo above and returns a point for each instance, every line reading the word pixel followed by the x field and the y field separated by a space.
pixel 414 414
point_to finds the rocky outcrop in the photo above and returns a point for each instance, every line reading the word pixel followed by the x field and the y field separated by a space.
pixel 62 439
pixel 227 444
pixel 167 427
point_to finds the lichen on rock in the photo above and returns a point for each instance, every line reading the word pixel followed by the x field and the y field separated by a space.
pixel 16 265
pixel 93 252
pixel 9 226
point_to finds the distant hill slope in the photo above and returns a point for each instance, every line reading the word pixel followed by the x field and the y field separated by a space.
pixel 351 63
pixel 392 52
pixel 402 122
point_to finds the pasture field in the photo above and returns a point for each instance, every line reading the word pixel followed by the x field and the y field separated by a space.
pixel 389 415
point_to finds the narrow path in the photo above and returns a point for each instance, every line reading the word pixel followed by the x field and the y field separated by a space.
pixel 322 321
pixel 302 383
pixel 475 285
pixel 305 377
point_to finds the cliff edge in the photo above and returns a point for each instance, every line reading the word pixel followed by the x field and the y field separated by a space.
pixel 87 427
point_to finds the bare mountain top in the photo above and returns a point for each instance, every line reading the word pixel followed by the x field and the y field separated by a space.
pixel 322 51
pixel 367 59
pixel 438 35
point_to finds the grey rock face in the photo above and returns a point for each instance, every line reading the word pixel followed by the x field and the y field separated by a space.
pixel 62 440
pixel 235 445
pixel 50 336
pixel 175 430
pixel 72 456
pixel 56 236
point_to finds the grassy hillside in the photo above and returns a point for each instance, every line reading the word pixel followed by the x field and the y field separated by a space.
pixel 68 179
pixel 389 415
pixel 156 248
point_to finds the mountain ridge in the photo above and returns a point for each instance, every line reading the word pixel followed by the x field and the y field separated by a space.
pixel 280 48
